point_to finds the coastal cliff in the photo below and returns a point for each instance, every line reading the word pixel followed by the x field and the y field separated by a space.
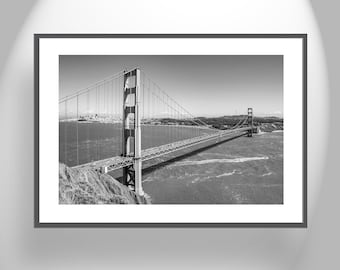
pixel 270 127
pixel 79 187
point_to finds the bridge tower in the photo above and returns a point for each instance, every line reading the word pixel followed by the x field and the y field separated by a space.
pixel 250 122
pixel 132 175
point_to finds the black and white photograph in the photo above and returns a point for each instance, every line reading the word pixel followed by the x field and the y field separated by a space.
pixel 171 129
pixel 186 130
pixel 169 135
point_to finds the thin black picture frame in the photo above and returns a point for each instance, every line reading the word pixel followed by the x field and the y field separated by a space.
pixel 38 224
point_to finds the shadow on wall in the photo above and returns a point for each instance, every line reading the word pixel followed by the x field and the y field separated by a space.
pixel 23 247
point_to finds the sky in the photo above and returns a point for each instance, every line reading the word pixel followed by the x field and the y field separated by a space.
pixel 206 85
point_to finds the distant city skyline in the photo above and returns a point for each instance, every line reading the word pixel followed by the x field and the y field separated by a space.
pixel 206 85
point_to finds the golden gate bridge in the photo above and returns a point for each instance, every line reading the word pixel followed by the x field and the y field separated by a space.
pixel 125 119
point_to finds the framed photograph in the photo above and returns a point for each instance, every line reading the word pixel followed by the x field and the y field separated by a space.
pixel 170 130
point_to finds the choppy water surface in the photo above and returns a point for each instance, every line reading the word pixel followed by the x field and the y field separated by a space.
pixel 244 170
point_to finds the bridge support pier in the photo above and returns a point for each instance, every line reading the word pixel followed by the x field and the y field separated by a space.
pixel 132 176
pixel 250 122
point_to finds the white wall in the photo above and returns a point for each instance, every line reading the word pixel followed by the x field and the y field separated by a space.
pixel 23 247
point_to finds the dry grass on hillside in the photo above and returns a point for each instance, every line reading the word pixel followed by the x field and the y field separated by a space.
pixel 77 187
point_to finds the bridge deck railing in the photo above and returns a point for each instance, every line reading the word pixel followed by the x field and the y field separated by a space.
pixel 119 162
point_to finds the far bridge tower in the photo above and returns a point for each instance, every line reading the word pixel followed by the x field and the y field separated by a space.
pixel 250 122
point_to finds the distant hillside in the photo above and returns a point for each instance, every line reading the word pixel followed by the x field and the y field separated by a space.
pixel 265 123
pixel 270 127
pixel 77 187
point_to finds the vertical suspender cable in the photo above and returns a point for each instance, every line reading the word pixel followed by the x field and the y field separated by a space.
pixel 65 160
pixel 77 123
pixel 96 124
pixel 88 139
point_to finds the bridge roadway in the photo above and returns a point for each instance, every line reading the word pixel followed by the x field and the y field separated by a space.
pixel 118 162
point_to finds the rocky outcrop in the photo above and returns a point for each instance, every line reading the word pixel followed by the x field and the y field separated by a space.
pixel 270 127
pixel 89 187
